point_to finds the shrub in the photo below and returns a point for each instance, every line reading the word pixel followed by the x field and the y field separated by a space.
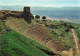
pixel 37 17
pixel 19 52
pixel 3 53
pixel 44 17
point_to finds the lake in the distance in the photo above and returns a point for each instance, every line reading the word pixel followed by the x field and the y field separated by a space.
pixel 73 15
pixel 58 13
pixel 70 14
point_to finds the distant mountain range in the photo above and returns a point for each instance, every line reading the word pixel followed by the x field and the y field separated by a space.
pixel 20 7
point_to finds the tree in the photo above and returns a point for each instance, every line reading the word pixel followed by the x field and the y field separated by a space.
pixel 44 17
pixel 37 17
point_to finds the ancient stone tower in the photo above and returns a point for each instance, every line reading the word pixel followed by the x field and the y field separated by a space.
pixel 27 9
pixel 27 14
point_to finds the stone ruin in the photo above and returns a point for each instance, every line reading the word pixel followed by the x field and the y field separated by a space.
pixel 26 14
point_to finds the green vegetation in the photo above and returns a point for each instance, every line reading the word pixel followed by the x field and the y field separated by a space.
pixel 1 14
pixel 1 26
pixel 14 44
pixel 61 31
pixel 43 17
pixel 37 17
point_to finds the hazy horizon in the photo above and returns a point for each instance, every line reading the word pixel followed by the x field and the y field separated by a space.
pixel 42 3
pixel 20 7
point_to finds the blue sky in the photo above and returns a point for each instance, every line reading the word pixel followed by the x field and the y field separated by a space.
pixel 42 3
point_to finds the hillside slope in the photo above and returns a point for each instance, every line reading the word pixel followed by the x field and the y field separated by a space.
pixel 41 35
pixel 15 44
pixel 57 36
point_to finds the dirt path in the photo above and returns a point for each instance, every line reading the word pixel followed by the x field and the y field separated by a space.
pixel 70 52
pixel 67 53
pixel 76 41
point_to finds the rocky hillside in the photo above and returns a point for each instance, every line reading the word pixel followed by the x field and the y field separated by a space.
pixel 58 37
pixel 13 43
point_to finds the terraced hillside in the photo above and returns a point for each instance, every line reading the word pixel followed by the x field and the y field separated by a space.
pixel 15 44
pixel 37 30
pixel 48 33
pixel 58 36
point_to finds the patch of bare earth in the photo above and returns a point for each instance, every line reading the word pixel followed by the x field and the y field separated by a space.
pixel 42 36
pixel 67 53
pixel 76 42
